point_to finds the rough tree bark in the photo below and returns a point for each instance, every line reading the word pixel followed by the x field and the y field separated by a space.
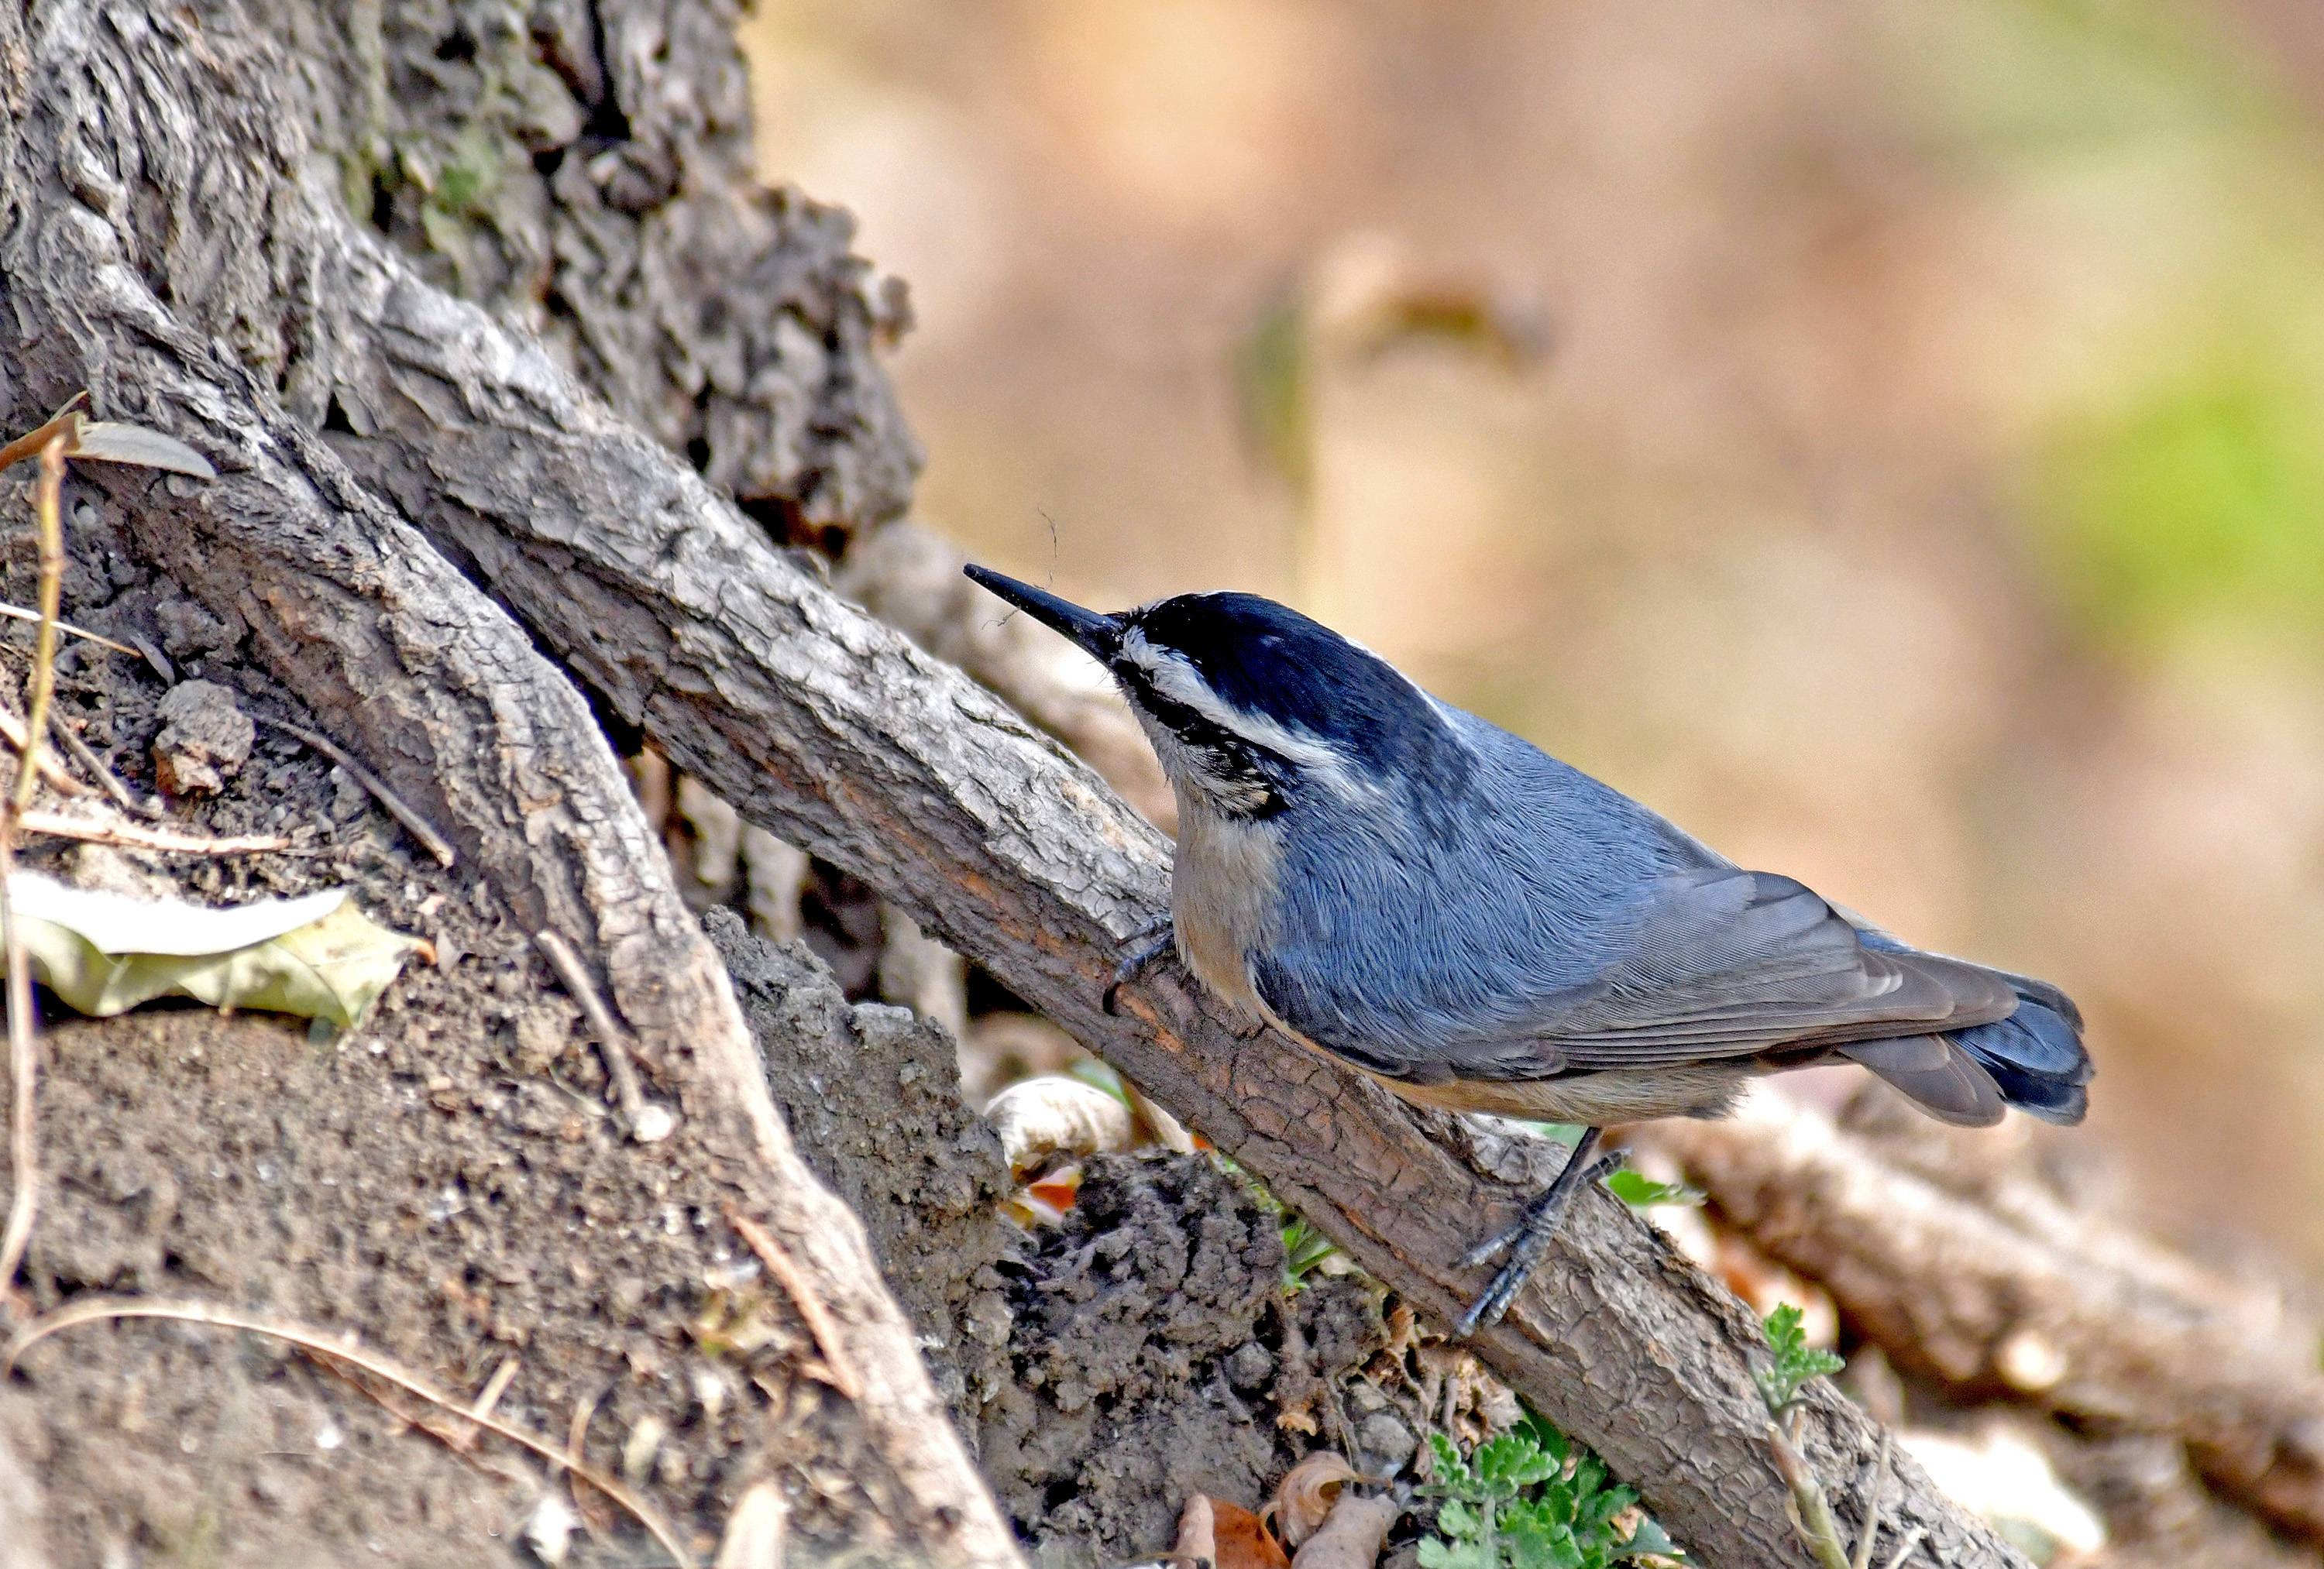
pixel 178 240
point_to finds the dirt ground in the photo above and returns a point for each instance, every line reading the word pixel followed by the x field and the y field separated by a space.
pixel 446 1183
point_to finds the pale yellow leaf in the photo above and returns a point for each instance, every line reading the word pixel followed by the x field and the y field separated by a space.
pixel 102 953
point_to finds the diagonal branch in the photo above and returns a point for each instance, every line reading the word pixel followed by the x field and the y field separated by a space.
pixel 831 730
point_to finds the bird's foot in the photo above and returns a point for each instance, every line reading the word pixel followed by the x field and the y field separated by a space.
pixel 1529 1239
pixel 1152 944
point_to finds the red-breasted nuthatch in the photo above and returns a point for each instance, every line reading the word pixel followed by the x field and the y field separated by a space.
pixel 1430 900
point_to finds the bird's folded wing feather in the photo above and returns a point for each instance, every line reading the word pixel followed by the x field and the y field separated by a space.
pixel 1720 962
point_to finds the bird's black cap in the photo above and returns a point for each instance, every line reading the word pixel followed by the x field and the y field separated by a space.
pixel 1100 635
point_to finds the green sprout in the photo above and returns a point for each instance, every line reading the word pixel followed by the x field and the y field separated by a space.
pixel 1796 1361
pixel 1532 1499
pixel 1307 1248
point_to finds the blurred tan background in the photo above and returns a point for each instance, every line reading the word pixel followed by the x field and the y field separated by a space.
pixel 1921 493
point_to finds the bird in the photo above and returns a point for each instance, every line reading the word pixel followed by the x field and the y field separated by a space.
pixel 1435 902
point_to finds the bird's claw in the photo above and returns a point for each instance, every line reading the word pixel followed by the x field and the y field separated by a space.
pixel 1529 1239
pixel 1157 942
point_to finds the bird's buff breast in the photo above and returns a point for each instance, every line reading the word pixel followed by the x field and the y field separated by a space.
pixel 1223 890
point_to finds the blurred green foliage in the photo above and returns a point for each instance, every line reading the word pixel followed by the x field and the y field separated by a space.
pixel 2201 499
pixel 2180 486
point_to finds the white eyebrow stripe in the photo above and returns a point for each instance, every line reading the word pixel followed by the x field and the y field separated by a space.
pixel 1175 676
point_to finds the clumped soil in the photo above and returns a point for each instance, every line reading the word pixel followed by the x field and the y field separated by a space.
pixel 1102 1369
pixel 1155 1354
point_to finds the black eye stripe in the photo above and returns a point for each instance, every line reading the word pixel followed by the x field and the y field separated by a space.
pixel 1231 758
pixel 1267 661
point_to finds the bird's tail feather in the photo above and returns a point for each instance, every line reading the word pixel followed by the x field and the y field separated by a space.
pixel 2036 1055
pixel 2034 1058
pixel 1941 1078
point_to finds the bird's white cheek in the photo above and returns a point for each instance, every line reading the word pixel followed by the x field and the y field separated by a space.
pixel 1195 786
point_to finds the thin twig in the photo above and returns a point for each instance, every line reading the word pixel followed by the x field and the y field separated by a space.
pixel 94 767
pixel 97 1310
pixel 576 1439
pixel 48 511
pixel 1913 1540
pixel 1810 1512
pixel 461 1434
pixel 129 835
pixel 464 1439
pixel 25 1166
pixel 648 1122
pixel 1872 1507
pixel 842 1375
pixel 454 1432
pixel 417 826
pixel 19 613
pixel 63 424
pixel 12 730
pixel 496 1386
pixel 577 1427
pixel 23 1049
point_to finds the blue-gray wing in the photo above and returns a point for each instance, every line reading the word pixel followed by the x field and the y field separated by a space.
pixel 1712 962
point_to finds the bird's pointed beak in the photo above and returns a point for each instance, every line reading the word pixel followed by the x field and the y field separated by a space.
pixel 1100 635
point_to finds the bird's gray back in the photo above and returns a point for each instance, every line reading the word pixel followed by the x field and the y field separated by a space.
pixel 1545 922
pixel 1427 923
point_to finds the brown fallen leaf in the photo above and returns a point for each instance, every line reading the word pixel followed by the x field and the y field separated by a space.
pixel 1243 1543
pixel 1058 1189
pixel 1351 1536
pixel 1227 1536
pixel 755 1531
pixel 1302 1499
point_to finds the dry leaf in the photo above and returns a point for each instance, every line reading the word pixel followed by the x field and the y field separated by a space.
pixel 755 1531
pixel 1228 1536
pixel 1043 1118
pixel 1198 1542
pixel 1058 1189
pixel 1302 1499
pixel 118 441
pixel 1351 1536
pixel 102 953
pixel 1242 1542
